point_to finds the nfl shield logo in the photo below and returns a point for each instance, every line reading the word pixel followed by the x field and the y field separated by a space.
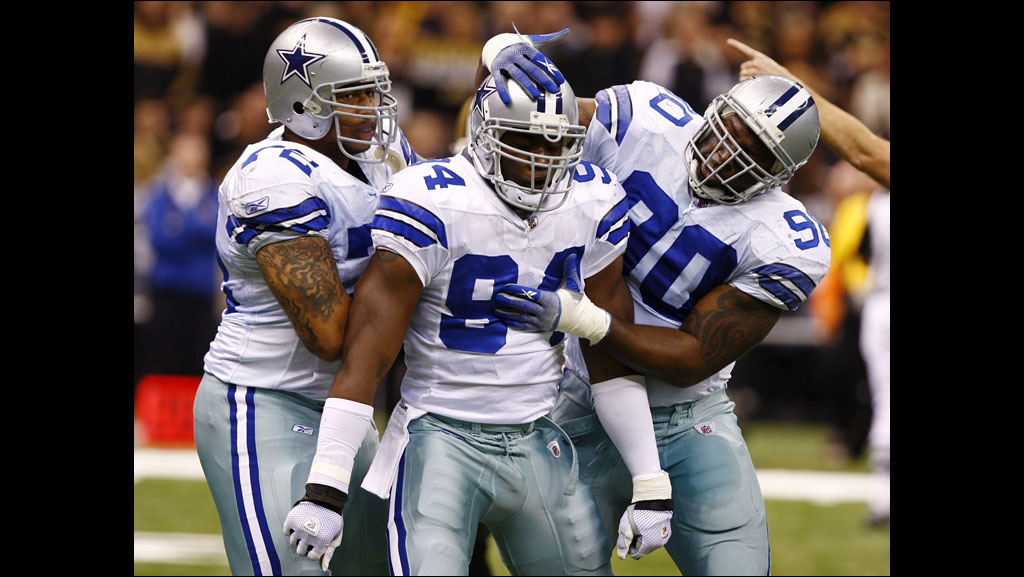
pixel 706 428
pixel 555 449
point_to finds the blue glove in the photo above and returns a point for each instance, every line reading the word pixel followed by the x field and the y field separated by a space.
pixel 565 310
pixel 516 56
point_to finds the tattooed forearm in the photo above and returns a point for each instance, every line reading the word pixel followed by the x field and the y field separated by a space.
pixel 729 329
pixel 303 276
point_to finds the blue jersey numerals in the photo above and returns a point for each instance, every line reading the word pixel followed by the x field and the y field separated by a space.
pixel 585 172
pixel 672 265
pixel 443 177
pixel 293 155
pixel 471 327
pixel 474 280
pixel 673 108
pixel 806 225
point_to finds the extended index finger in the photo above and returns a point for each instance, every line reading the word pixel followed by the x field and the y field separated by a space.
pixel 746 50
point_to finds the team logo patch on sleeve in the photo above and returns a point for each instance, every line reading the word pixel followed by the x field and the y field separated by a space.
pixel 705 428
pixel 304 429
pixel 555 449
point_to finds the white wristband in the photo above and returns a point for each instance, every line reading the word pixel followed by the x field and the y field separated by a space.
pixel 653 488
pixel 498 43
pixel 343 427
pixel 582 317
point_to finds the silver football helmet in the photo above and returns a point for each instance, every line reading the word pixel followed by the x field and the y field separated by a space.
pixel 553 119
pixel 317 64
pixel 779 112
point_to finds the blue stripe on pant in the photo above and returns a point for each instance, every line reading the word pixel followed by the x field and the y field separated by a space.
pixel 247 489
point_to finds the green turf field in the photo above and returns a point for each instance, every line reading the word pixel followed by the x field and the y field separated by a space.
pixel 806 539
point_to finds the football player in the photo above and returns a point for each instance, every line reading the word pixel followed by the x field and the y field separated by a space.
pixel 469 442
pixel 717 252
pixel 293 238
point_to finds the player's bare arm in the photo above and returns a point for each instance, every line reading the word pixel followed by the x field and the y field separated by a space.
pixel 607 289
pixel 587 107
pixel 303 276
pixel 723 326
pixel 388 293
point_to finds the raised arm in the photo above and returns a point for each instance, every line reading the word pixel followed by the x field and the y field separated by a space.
pixel 303 276
pixel 841 131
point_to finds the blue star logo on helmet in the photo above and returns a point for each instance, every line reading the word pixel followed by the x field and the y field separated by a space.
pixel 297 61
pixel 486 90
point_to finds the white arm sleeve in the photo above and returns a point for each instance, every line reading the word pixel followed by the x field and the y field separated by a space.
pixel 624 413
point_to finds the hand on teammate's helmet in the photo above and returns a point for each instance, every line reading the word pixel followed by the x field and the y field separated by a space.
pixel 522 62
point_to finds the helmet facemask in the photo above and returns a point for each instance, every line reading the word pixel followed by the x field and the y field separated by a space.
pixel 538 172
pixel 550 175
pixel 777 122
pixel 383 113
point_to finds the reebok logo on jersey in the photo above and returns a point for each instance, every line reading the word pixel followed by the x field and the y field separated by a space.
pixel 555 449
pixel 305 430
pixel 257 205
pixel 706 428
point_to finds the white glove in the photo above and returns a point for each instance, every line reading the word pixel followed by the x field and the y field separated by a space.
pixel 647 522
pixel 314 530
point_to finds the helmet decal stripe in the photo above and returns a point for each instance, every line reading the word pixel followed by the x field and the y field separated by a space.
pixel 796 113
pixel 352 35
pixel 786 96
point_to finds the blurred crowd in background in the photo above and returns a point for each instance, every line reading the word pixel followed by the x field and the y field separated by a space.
pixel 199 102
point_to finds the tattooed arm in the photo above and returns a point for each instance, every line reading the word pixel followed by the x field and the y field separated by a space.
pixel 723 326
pixel 303 276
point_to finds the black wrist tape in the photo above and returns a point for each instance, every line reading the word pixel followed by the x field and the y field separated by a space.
pixel 325 496
pixel 656 505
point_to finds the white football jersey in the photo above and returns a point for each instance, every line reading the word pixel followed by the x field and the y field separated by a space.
pixel 279 190
pixel 680 246
pixel 464 242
